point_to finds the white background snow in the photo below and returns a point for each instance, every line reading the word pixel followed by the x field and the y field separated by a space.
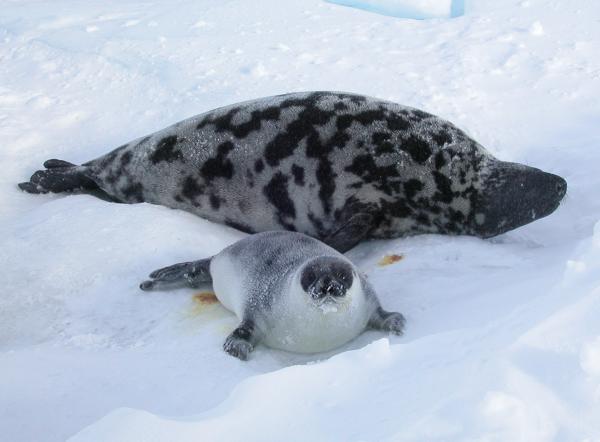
pixel 503 335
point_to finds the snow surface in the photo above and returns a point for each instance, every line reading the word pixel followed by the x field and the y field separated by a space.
pixel 503 337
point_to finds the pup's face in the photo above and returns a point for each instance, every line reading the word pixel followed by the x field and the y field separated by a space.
pixel 327 280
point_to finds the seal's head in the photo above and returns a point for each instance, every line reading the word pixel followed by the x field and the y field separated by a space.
pixel 513 195
pixel 327 279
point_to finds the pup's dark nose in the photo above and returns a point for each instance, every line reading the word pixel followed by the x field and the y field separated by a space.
pixel 328 286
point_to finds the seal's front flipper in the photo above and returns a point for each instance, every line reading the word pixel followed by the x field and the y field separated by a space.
pixel 60 176
pixel 242 340
pixel 185 274
pixel 387 321
pixel 352 232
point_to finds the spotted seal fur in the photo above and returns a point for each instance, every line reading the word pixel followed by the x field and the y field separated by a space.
pixel 336 166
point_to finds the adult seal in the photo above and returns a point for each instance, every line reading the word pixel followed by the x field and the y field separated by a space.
pixel 290 292
pixel 336 166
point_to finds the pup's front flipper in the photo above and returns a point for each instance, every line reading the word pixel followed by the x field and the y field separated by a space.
pixel 387 321
pixel 242 340
pixel 185 274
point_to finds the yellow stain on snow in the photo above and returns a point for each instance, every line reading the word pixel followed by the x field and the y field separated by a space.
pixel 205 310
pixel 203 302
pixel 389 259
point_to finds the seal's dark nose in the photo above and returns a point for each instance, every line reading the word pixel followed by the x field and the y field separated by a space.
pixel 561 186
pixel 514 195
pixel 328 286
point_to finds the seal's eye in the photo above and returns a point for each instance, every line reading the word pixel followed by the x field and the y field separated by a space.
pixel 309 276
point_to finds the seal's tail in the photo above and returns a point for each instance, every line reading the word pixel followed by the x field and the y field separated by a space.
pixel 59 176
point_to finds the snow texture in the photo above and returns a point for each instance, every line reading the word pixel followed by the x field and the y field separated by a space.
pixel 502 339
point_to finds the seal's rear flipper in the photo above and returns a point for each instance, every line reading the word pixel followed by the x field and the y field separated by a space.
pixel 185 274
pixel 60 176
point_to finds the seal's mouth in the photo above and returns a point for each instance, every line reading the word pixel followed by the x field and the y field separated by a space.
pixel 330 304
pixel 328 300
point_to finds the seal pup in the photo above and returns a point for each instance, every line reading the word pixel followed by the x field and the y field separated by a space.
pixel 339 167
pixel 290 292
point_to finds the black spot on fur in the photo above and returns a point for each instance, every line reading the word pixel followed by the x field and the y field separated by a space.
pixel 428 205
pixel 384 148
pixel 417 148
pixel 276 192
pixel 382 143
pixel 326 179
pixel 215 202
pixel 370 116
pixel 340 106
pixel 285 143
pixel 339 140
pixel 134 192
pixel 354 98
pixel 411 187
pixel 298 173
pixel 126 158
pixel 444 187
pixel 344 121
pixel 224 122
pixel 165 151
pixel 442 137
pixel 191 189
pixel 383 178
pixel 456 216
pixel 396 208
pixel 314 148
pixel 204 122
pixel 253 124
pixel 396 122
pixel 219 166
pixel 259 165
pixel 380 137
pixel 309 100
pixel 317 224
pixel 440 161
